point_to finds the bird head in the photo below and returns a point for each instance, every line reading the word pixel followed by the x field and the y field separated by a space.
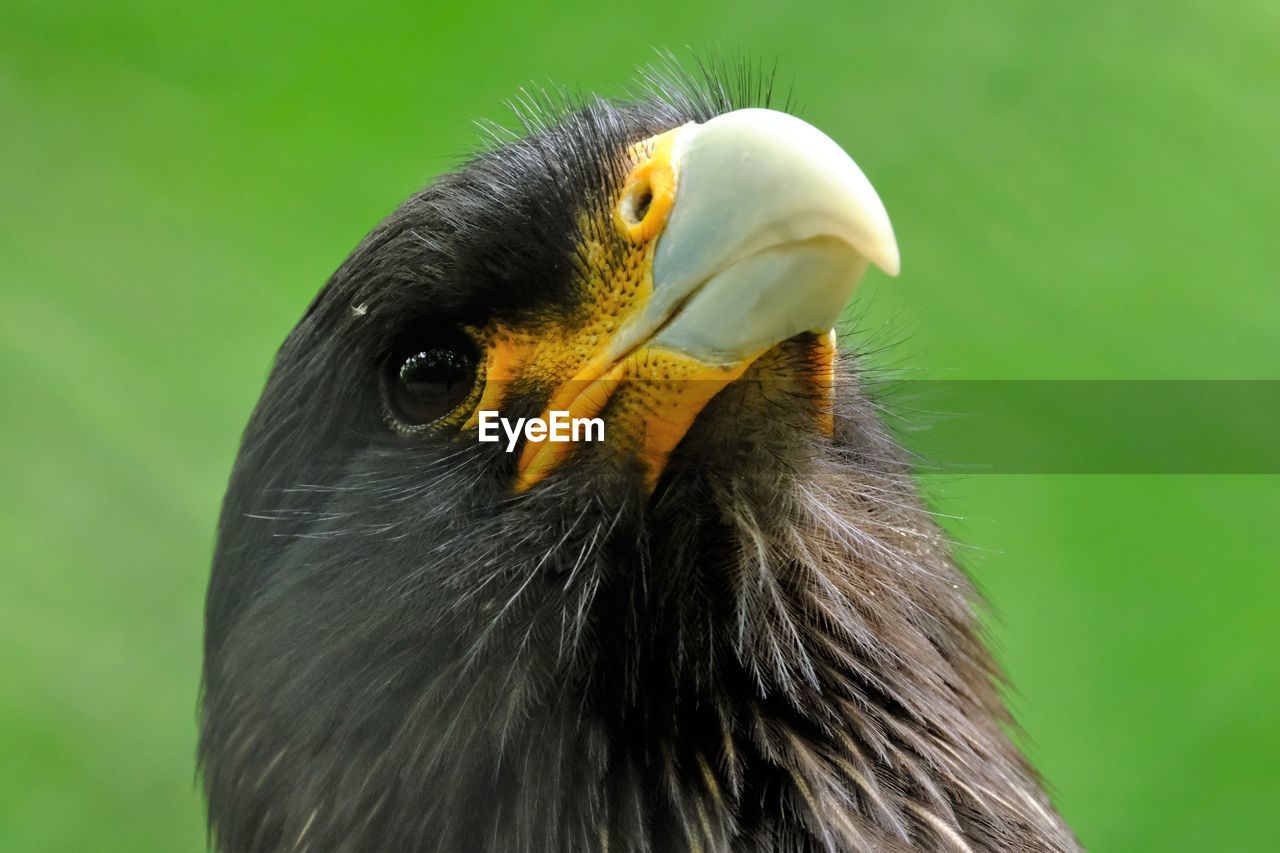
pixel 686 634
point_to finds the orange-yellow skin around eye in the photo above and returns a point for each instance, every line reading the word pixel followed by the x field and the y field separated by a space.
pixel 654 393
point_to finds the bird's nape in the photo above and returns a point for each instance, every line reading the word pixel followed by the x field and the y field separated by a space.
pixel 729 624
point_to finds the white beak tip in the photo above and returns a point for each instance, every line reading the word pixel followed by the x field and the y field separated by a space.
pixel 888 259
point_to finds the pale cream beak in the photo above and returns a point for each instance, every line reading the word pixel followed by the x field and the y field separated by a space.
pixel 772 227
pixel 764 227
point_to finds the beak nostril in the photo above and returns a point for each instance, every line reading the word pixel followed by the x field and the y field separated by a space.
pixel 645 201
pixel 636 203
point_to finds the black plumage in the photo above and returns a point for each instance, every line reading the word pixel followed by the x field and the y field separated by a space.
pixel 773 651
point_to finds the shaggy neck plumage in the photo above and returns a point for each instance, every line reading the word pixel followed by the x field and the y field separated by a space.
pixel 785 659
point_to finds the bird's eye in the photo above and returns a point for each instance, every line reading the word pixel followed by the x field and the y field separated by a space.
pixel 426 381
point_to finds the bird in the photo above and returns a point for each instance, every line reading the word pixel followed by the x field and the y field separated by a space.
pixel 726 622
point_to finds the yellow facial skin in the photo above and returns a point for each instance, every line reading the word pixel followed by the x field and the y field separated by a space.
pixel 615 277
pixel 657 364
pixel 656 393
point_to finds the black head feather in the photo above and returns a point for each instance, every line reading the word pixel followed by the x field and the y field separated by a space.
pixel 773 652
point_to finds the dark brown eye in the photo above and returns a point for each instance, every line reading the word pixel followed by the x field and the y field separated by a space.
pixel 425 382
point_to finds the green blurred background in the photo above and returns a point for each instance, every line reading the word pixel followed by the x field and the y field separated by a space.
pixel 1081 190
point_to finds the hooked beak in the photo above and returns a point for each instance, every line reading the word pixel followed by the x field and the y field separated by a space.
pixel 758 228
